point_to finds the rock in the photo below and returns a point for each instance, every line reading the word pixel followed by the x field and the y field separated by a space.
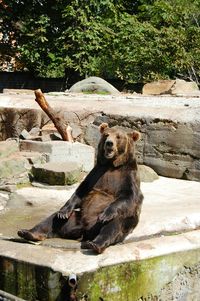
pixel 76 130
pixel 95 85
pixel 38 138
pixel 34 131
pixel 8 187
pixel 49 132
pixel 55 136
pixel 158 87
pixel 181 87
pixel 62 151
pixel 57 173
pixel 33 157
pixel 170 139
pixel 172 149
pixel 170 127
pixel 8 147
pixel 174 87
pixel 25 135
pixel 147 174
pixel 49 129
pixel 12 166
pixel 4 197
pixel 39 197
pixel 18 91
pixel 92 135
pixel 18 119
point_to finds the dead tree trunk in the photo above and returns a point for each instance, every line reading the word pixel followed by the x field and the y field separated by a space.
pixel 61 125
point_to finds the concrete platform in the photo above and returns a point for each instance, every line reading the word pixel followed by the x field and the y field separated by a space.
pixel 169 225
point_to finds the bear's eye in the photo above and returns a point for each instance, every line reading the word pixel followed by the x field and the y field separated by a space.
pixel 118 136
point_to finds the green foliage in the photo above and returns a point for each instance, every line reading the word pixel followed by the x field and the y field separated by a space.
pixel 133 40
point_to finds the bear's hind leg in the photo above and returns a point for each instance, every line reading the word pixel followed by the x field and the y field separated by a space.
pixel 39 232
pixel 111 233
pixel 28 235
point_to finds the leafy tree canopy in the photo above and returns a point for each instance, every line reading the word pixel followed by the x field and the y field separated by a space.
pixel 133 40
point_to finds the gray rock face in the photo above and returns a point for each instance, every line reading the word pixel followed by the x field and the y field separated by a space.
pixel 94 84
pixel 4 197
pixel 170 128
pixel 8 148
pixel 14 120
pixel 171 148
pixel 12 166
pixel 15 165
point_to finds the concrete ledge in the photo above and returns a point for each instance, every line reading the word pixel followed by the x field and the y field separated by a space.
pixel 153 263
pixel 67 261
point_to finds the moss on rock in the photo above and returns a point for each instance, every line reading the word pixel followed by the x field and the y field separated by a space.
pixel 136 280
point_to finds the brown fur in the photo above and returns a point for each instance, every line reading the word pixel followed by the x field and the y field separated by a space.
pixel 106 206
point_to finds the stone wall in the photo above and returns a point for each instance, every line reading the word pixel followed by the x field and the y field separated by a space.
pixel 172 277
pixel 169 146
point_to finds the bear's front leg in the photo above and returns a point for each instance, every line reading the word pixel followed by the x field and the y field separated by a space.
pixel 73 203
pixel 120 207
pixel 108 214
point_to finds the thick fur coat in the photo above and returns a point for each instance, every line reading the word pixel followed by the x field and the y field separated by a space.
pixel 106 206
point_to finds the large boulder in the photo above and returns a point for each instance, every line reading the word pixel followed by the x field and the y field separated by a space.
pixel 158 87
pixel 62 151
pixel 147 174
pixel 174 87
pixel 181 87
pixel 94 84
pixel 53 173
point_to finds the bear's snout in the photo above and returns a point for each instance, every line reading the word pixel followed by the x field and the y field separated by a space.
pixel 109 143
pixel 109 148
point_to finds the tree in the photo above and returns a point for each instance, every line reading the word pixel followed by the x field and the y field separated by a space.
pixel 179 26
pixel 133 40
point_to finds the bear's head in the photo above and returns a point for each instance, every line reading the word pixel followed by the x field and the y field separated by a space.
pixel 116 145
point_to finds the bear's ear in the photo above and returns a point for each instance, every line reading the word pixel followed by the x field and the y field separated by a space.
pixel 102 127
pixel 135 135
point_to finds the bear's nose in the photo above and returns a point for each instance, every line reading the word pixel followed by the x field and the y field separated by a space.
pixel 109 143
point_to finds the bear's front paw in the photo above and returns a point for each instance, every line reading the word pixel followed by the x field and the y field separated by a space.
pixel 107 215
pixel 64 213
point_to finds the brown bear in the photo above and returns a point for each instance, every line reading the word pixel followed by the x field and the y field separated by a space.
pixel 106 206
